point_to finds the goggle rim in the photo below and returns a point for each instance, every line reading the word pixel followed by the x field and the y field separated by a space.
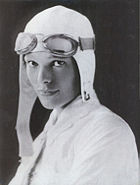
pixel 30 47
pixel 65 36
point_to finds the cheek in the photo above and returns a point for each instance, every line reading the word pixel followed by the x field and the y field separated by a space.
pixel 32 76
pixel 74 80
pixel 69 81
pixel 62 78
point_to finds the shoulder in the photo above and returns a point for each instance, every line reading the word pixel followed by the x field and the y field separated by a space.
pixel 103 117
pixel 102 126
pixel 108 136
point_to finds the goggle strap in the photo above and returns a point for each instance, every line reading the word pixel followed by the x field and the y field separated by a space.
pixel 86 43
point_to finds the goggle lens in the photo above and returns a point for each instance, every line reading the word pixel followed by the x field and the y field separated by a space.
pixel 60 45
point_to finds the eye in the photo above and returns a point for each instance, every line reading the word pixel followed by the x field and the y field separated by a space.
pixel 32 63
pixel 58 63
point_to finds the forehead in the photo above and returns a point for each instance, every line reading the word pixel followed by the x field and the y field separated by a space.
pixel 40 56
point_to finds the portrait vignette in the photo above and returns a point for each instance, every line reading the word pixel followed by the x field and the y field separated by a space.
pixel 116 81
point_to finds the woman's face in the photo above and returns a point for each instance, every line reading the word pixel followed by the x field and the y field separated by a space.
pixel 55 80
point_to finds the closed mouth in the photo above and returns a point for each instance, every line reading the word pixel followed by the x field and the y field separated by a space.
pixel 47 92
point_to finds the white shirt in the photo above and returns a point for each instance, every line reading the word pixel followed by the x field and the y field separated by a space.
pixel 82 144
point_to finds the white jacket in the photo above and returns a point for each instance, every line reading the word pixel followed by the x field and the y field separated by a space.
pixel 82 144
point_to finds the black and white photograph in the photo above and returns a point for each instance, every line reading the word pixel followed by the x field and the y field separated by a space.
pixel 69 92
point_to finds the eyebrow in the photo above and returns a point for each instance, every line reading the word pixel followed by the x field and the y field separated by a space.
pixel 51 57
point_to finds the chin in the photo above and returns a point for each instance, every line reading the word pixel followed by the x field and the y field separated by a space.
pixel 54 103
pixel 48 105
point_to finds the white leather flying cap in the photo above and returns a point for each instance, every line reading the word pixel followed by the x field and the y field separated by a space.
pixel 60 19
pixel 55 20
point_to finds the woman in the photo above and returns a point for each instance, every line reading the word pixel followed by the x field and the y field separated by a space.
pixel 83 143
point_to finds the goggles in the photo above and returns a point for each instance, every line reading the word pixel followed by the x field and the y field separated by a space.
pixel 60 45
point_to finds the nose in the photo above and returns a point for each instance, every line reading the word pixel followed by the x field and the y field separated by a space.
pixel 44 76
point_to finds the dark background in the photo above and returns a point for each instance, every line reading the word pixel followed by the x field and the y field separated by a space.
pixel 115 24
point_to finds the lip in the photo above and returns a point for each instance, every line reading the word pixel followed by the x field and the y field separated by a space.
pixel 44 92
